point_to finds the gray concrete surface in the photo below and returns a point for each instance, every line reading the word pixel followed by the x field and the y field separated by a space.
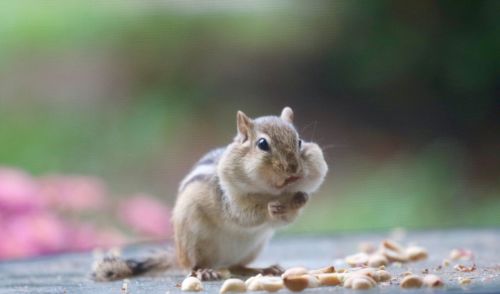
pixel 69 273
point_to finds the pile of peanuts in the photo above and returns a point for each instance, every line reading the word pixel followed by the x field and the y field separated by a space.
pixel 298 279
pixel 368 269
pixel 388 252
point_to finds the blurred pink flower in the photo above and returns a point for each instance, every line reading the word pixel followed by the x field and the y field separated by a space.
pixel 33 222
pixel 146 215
pixel 18 191
pixel 33 233
pixel 85 237
pixel 108 238
pixel 73 193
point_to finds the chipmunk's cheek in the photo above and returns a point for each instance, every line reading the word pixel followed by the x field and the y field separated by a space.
pixel 266 177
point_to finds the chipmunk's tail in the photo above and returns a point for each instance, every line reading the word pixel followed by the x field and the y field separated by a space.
pixel 116 268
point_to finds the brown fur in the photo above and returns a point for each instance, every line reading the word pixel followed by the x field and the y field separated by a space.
pixel 226 221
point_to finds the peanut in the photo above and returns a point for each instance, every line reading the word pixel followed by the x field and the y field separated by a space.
pixel 464 281
pixel 233 285
pixel 296 283
pixel 377 260
pixel 463 254
pixel 395 256
pixel 254 283
pixel 325 270
pixel 433 281
pixel 191 284
pixel 411 281
pixel 270 284
pixel 358 281
pixel 359 284
pixel 416 253
pixel 392 245
pixel 343 276
pixel 383 275
pixel 357 259
pixel 295 271
pixel 369 272
pixel 312 281
pixel 329 279
pixel 124 289
pixel 367 247
pixel 224 273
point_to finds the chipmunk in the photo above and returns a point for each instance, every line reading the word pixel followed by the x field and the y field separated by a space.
pixel 233 200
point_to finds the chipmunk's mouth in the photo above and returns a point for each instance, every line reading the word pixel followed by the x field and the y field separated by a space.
pixel 287 181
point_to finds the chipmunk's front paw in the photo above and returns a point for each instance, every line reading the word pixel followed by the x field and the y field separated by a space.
pixel 276 208
pixel 299 200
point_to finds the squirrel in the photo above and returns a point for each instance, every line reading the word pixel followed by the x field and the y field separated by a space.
pixel 232 201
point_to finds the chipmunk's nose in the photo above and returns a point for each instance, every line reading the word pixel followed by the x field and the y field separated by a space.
pixel 292 166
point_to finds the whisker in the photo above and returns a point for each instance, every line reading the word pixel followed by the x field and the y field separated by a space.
pixel 329 146
pixel 307 126
pixel 326 147
pixel 311 124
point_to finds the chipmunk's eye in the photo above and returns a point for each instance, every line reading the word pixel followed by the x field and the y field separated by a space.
pixel 262 144
pixel 300 144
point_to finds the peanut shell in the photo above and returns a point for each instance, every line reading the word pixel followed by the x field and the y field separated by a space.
pixel 233 285
pixel 411 281
pixel 191 284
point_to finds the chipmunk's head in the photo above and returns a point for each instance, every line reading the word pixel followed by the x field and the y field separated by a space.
pixel 267 154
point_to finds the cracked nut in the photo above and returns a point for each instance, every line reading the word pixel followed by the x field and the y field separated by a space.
pixel 465 269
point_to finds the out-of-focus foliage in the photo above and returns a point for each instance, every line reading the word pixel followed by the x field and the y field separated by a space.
pixel 403 96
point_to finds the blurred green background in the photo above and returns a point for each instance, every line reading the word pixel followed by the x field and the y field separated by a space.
pixel 402 95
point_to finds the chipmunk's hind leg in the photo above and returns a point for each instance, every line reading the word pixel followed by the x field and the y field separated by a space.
pixel 273 270
pixel 205 274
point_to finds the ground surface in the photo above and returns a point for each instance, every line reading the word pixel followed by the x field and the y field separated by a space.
pixel 69 273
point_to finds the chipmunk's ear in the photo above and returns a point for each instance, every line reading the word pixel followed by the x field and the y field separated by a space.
pixel 287 114
pixel 245 126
